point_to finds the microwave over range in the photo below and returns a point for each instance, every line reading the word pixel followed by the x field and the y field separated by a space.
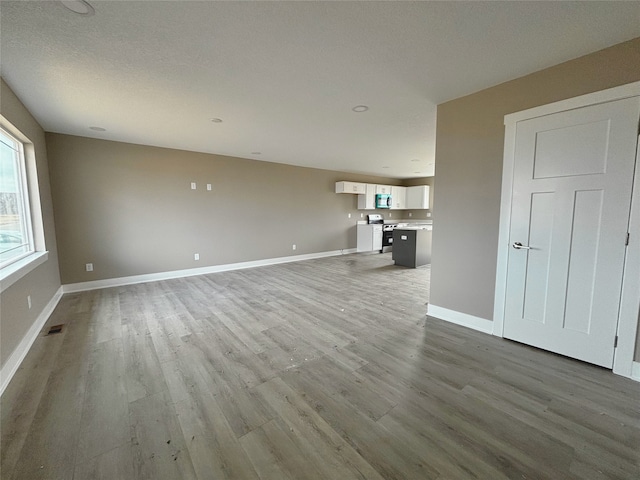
pixel 383 200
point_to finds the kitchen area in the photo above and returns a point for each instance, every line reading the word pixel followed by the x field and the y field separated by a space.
pixel 407 237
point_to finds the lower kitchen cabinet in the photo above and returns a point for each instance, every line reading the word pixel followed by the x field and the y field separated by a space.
pixel 369 238
pixel 412 247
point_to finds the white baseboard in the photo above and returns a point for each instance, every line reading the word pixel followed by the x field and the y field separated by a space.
pixel 486 326
pixel 13 362
pixel 153 277
pixel 459 318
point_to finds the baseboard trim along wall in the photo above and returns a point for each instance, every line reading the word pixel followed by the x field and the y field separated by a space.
pixel 13 362
pixel 459 318
pixel 486 326
pixel 153 277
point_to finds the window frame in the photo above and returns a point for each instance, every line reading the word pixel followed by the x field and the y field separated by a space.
pixel 24 204
pixel 17 267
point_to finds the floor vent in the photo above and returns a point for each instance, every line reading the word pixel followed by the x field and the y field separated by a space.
pixel 55 329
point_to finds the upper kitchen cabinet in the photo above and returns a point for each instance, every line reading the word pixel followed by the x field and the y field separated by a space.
pixel 368 200
pixel 383 189
pixel 417 198
pixel 398 198
pixel 351 187
pixel 402 198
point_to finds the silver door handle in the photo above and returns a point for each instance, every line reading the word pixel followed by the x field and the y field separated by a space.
pixel 519 246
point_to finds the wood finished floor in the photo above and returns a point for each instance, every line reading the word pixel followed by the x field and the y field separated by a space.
pixel 324 369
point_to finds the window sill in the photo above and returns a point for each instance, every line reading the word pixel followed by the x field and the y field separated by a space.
pixel 14 272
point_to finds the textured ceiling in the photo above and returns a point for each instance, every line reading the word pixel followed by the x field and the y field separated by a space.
pixel 284 76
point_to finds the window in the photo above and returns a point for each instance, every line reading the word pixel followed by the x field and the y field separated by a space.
pixel 16 231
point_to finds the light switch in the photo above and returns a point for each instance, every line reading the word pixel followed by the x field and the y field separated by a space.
pixel 209 186
pixel 193 185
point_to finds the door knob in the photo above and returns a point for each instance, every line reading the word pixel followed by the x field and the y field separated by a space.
pixel 519 246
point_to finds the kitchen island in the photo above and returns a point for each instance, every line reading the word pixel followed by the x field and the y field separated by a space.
pixel 412 245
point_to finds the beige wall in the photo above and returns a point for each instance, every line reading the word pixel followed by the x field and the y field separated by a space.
pixel 129 209
pixel 43 282
pixel 469 150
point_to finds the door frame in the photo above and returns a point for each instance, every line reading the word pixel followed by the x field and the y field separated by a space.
pixel 629 314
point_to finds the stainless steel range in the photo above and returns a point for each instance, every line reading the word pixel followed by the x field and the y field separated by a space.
pixel 387 235
pixel 387 230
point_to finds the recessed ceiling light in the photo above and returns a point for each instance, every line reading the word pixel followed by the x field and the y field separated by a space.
pixel 216 120
pixel 98 129
pixel 256 153
pixel 360 108
pixel 79 6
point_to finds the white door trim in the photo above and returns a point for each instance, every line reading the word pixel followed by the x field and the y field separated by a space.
pixel 630 298
pixel 628 320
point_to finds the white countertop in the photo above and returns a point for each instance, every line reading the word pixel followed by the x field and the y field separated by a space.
pixel 415 227
pixel 413 222
pixel 401 223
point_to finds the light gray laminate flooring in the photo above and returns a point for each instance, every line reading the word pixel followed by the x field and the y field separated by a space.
pixel 323 369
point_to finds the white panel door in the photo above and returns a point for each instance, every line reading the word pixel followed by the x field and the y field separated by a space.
pixel 572 185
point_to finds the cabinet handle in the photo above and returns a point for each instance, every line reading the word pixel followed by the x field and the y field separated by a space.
pixel 519 246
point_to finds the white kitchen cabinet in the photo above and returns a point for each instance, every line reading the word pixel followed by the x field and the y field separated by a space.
pixel 418 197
pixel 351 187
pixel 383 189
pixel 368 200
pixel 398 198
pixel 369 237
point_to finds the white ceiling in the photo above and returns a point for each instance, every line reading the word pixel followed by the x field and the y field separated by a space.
pixel 284 76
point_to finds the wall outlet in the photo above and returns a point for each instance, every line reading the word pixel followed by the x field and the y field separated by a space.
pixel 294 246
pixel 428 214
pixel 362 215
pixel 29 301
pixel 390 215
pixel 410 214
pixel 196 256
pixel 89 267
pixel 193 185
pixel 209 186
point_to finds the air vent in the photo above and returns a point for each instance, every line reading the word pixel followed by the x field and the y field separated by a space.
pixel 55 329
